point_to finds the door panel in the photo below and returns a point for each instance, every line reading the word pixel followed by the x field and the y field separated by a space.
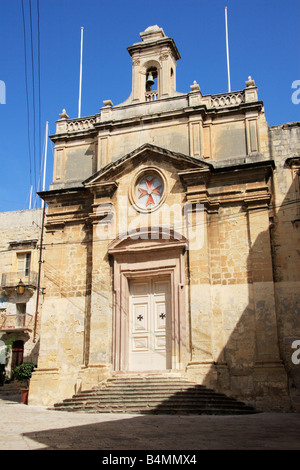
pixel 150 320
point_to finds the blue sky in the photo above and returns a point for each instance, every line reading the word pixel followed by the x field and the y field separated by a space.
pixel 263 42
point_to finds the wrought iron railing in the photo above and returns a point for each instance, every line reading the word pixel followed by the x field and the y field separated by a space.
pixel 13 279
pixel 17 321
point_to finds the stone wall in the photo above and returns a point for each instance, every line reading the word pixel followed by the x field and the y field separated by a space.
pixel 285 149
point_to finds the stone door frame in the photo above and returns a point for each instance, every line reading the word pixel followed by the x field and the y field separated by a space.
pixel 153 259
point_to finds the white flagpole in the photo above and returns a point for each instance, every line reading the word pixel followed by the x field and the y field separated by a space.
pixel 227 51
pixel 45 159
pixel 38 290
pixel 30 197
pixel 80 75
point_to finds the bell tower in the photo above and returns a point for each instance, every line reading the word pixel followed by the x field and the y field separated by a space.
pixel 154 63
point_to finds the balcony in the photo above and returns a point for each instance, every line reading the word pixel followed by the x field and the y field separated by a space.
pixel 11 280
pixel 17 322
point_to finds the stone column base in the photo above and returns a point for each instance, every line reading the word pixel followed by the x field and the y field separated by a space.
pixel 92 375
pixel 271 386
pixel 212 374
pixel 203 372
pixel 264 386
pixel 49 386
pixel 44 386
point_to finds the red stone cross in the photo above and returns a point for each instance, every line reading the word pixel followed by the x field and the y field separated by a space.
pixel 150 190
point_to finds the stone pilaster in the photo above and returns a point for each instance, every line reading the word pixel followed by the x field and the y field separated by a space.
pixel 269 378
pixel 201 366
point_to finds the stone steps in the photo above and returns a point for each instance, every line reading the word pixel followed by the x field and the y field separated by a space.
pixel 155 396
pixel 152 395
pixel 12 388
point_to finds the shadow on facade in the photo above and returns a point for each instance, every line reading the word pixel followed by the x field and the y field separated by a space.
pixel 255 365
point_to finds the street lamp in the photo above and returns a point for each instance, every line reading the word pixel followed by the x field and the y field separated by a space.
pixel 20 288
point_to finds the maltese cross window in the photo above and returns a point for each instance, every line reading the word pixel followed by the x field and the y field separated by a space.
pixel 149 191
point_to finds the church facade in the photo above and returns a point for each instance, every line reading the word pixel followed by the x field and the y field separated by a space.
pixel 171 241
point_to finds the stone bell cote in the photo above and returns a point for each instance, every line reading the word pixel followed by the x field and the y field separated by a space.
pixel 154 63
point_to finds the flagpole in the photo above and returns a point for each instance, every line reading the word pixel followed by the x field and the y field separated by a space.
pixel 227 51
pixel 80 75
pixel 30 197
pixel 45 157
pixel 41 242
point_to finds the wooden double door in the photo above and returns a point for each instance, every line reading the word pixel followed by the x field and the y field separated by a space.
pixel 150 324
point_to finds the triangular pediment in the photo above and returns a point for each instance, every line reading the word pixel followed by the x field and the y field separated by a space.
pixel 110 172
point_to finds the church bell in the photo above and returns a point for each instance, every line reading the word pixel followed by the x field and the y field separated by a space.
pixel 150 80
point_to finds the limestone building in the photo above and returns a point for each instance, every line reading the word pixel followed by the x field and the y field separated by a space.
pixel 172 241
pixel 20 233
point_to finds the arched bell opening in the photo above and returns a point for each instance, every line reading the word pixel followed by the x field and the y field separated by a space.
pixel 152 84
pixel 151 79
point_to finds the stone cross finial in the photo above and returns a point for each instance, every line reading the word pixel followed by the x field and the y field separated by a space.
pixel 250 82
pixel 195 86
pixel 107 103
pixel 63 114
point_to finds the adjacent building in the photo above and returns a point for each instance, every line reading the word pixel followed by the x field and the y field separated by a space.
pixel 20 233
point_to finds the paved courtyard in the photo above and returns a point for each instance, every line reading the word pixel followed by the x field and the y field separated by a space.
pixel 32 427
